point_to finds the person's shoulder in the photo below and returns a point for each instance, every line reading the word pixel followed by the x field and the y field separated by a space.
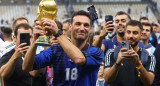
pixel 8 54
pixel 55 47
pixel 107 40
pixel 110 51
pixel 95 50
pixel 5 58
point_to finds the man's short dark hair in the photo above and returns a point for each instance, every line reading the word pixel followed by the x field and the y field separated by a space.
pixel 143 18
pixel 81 12
pixel 123 13
pixel 20 18
pixel 67 21
pixel 24 25
pixel 59 24
pixel 154 24
pixel 135 23
pixel 6 31
pixel 148 24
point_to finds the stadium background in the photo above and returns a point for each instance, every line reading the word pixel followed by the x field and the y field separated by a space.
pixel 11 9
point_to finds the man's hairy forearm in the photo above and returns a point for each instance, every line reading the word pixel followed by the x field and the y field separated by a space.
pixel 29 58
pixel 71 50
pixel 98 42
pixel 7 69
pixel 146 77
pixel 111 73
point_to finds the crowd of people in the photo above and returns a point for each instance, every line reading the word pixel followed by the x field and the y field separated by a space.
pixel 78 56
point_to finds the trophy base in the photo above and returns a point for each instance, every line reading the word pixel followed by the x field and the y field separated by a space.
pixel 43 41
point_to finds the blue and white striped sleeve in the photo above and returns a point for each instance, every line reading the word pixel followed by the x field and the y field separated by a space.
pixel 150 66
pixel 109 58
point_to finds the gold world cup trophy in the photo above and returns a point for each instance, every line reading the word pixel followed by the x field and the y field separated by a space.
pixel 46 9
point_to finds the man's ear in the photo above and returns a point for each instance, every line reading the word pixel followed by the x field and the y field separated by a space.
pixel 70 26
pixel 14 38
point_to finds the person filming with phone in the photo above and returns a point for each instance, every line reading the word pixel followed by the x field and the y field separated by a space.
pixel 121 19
pixel 11 63
pixel 129 65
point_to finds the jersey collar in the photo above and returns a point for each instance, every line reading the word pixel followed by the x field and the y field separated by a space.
pixel 148 46
pixel 115 42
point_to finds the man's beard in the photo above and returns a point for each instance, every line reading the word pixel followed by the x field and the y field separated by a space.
pixel 135 44
pixel 121 34
pixel 81 39
pixel 144 40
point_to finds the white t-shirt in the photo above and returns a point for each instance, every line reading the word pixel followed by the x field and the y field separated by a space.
pixel 5 47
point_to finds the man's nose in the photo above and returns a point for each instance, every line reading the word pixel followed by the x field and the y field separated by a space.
pixel 82 27
pixel 131 35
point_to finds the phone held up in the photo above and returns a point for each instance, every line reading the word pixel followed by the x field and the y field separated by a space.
pixel 125 44
pixel 93 13
pixel 109 18
pixel 25 38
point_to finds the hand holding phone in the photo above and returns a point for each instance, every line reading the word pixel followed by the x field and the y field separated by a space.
pixel 25 38
pixel 125 44
pixel 92 12
pixel 109 18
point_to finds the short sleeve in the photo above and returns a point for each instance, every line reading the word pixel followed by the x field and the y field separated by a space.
pixel 109 58
pixel 105 42
pixel 44 58
pixel 150 65
pixel 5 58
pixel 94 57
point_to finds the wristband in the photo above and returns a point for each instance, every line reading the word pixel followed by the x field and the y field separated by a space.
pixel 60 32
pixel 118 64
pixel 139 65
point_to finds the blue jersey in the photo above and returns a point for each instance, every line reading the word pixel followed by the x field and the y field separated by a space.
pixel 150 48
pixel 153 39
pixel 113 43
pixel 66 72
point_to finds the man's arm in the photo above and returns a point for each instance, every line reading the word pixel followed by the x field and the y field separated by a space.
pixel 7 69
pixel 72 51
pixel 146 77
pixel 30 55
pixel 2 81
pixel 110 73
pixel 105 31
pixel 112 67
pixel 35 73
pixel 29 58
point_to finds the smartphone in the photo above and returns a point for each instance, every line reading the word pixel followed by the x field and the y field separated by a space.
pixel 125 44
pixel 25 38
pixel 92 12
pixel 109 18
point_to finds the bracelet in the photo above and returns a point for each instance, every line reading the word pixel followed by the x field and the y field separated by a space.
pixel 139 65
pixel 117 64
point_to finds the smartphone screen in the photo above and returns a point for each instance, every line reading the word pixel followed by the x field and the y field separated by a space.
pixel 93 13
pixel 25 38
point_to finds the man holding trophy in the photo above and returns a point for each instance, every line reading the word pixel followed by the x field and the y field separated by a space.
pixel 75 62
